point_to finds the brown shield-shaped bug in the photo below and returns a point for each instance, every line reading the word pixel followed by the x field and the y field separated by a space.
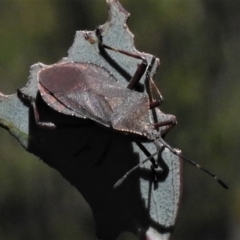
pixel 88 91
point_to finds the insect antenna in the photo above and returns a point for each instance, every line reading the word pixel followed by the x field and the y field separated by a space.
pixel 121 180
pixel 174 151
pixel 206 171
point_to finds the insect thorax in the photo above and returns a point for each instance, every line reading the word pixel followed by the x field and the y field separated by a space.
pixel 151 133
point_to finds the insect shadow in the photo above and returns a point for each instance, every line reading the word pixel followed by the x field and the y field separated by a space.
pixel 88 91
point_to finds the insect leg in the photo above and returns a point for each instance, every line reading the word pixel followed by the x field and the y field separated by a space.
pixel 49 125
pixel 169 125
pixel 150 83
pixel 140 69
pixel 133 80
pixel 139 73
pixel 155 103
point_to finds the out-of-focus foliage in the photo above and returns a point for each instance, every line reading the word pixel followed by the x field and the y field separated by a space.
pixel 199 46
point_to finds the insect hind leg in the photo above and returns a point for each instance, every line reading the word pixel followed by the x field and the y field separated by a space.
pixel 38 122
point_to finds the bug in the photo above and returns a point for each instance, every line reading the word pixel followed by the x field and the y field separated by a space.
pixel 88 91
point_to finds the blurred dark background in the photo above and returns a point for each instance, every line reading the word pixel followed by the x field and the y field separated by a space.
pixel 198 43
